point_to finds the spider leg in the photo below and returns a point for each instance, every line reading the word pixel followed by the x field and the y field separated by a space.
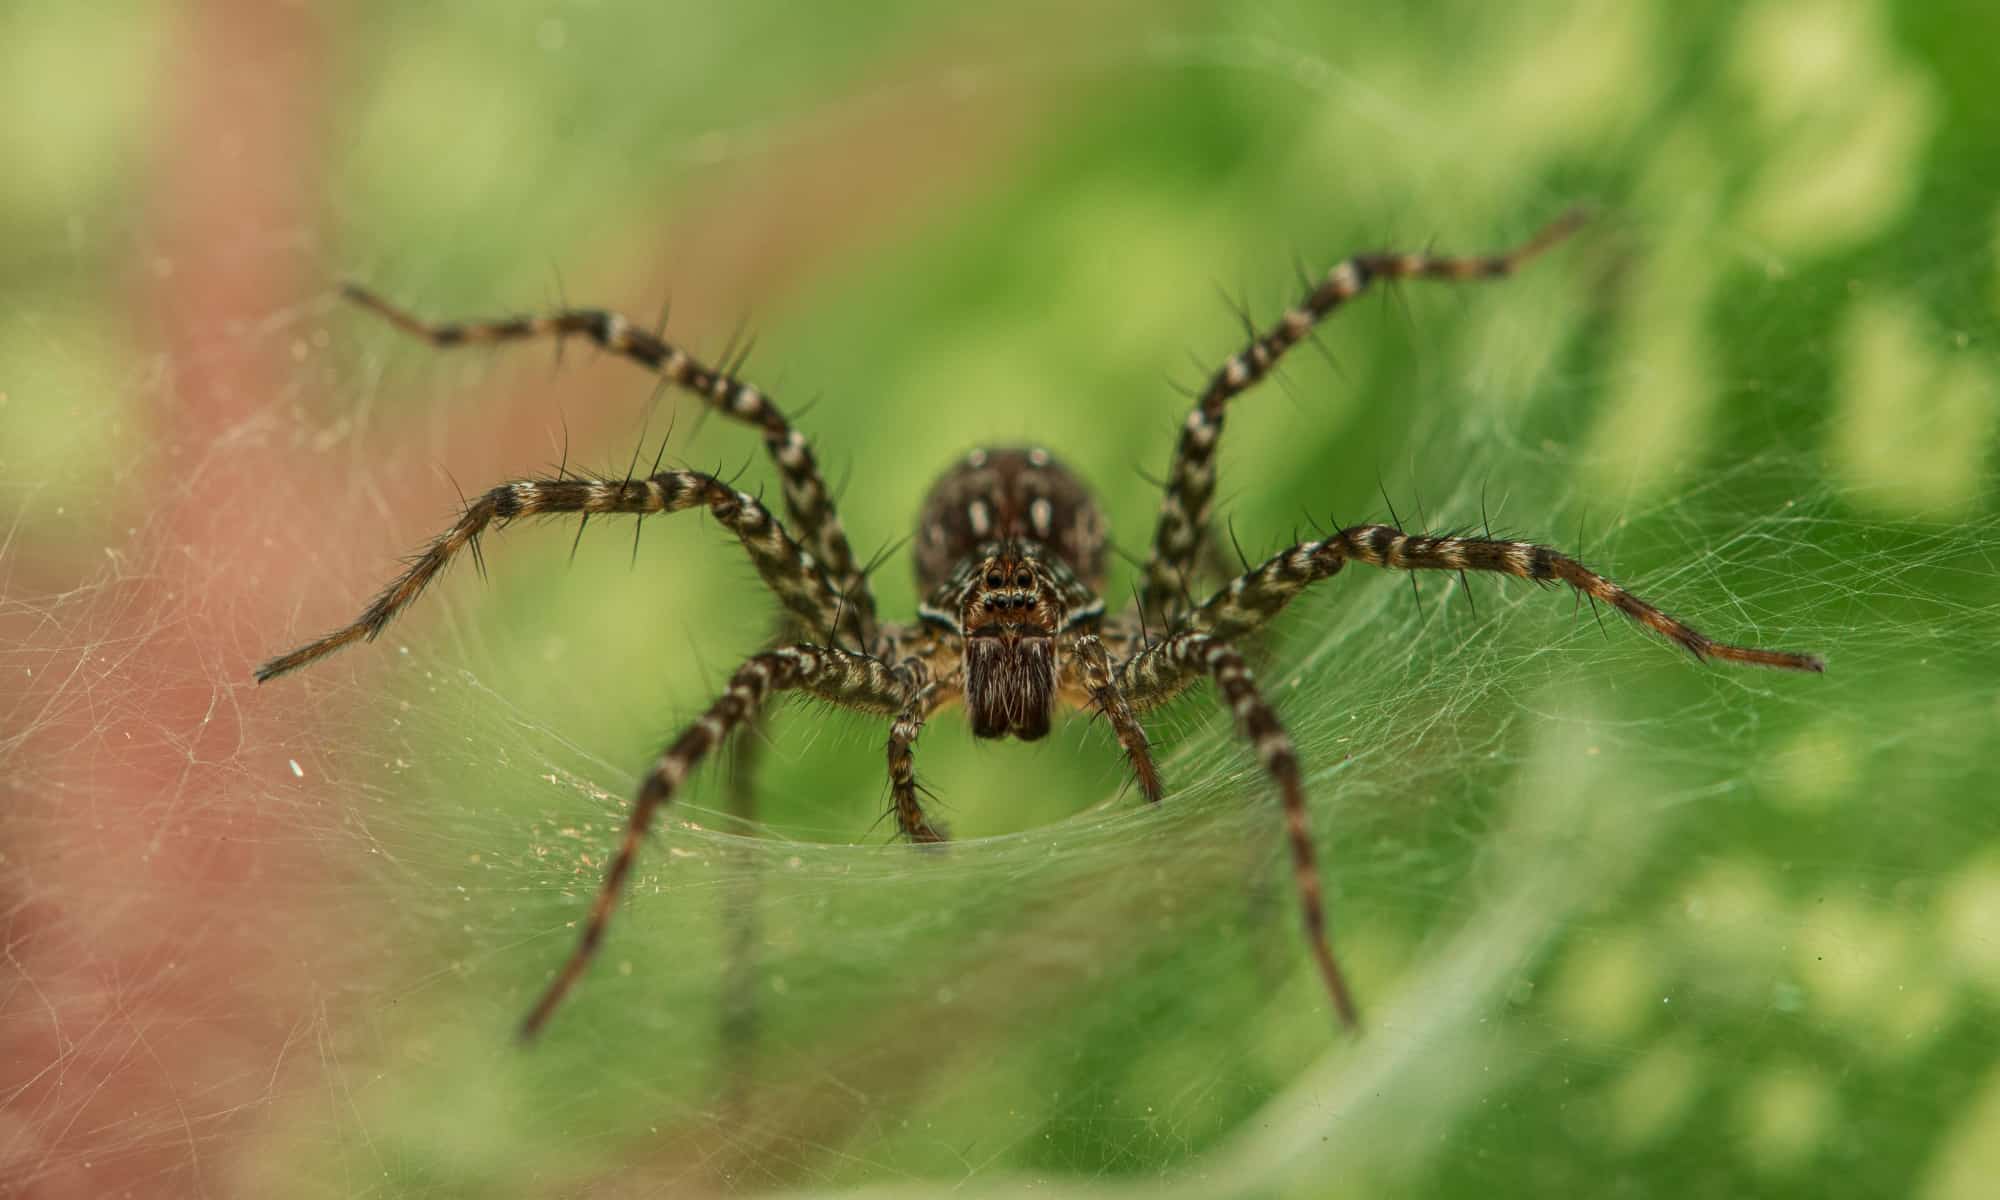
pixel 1094 670
pixel 903 785
pixel 1249 601
pixel 1158 673
pixel 789 571
pixel 807 499
pixel 910 646
pixel 1184 509
pixel 850 680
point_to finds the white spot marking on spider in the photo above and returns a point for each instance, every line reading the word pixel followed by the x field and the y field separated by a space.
pixel 1040 514
pixel 677 363
pixel 1344 279
pixel 1038 457
pixel 1410 264
pixel 525 496
pixel 614 331
pixel 1270 746
pixel 600 493
pixel 1236 373
pixel 980 516
pixel 793 453
pixel 1244 706
pixel 297 770
pixel 1297 321
pixel 1260 354
pixel 976 459
pixel 748 401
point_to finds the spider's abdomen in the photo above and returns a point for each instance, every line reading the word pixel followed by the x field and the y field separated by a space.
pixel 1010 494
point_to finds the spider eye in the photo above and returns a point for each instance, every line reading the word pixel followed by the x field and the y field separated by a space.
pixel 993 579
pixel 1024 580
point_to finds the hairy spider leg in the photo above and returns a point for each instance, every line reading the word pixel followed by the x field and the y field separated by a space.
pixel 903 785
pixel 808 502
pixel 1190 490
pixel 1165 669
pixel 1250 600
pixel 854 681
pixel 787 569
pixel 1092 664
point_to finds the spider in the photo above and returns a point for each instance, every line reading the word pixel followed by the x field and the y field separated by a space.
pixel 1010 560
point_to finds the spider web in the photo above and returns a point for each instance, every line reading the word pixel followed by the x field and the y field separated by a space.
pixel 1611 915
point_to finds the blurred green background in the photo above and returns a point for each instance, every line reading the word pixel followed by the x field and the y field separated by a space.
pixel 1619 923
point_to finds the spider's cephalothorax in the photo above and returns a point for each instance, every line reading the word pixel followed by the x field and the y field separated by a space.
pixel 1010 560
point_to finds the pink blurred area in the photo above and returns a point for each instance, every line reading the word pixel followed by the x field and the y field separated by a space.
pixel 178 950
pixel 154 971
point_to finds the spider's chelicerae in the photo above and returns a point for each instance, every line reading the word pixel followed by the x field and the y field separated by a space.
pixel 1010 552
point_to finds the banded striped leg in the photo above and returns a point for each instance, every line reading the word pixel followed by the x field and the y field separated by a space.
pixel 1100 680
pixel 1184 509
pixel 786 569
pixel 1158 673
pixel 850 680
pixel 807 500
pixel 1251 600
pixel 903 786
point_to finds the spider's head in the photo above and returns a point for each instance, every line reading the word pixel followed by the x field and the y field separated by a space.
pixel 1010 613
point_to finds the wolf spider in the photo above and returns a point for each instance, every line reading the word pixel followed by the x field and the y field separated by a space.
pixel 1010 558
